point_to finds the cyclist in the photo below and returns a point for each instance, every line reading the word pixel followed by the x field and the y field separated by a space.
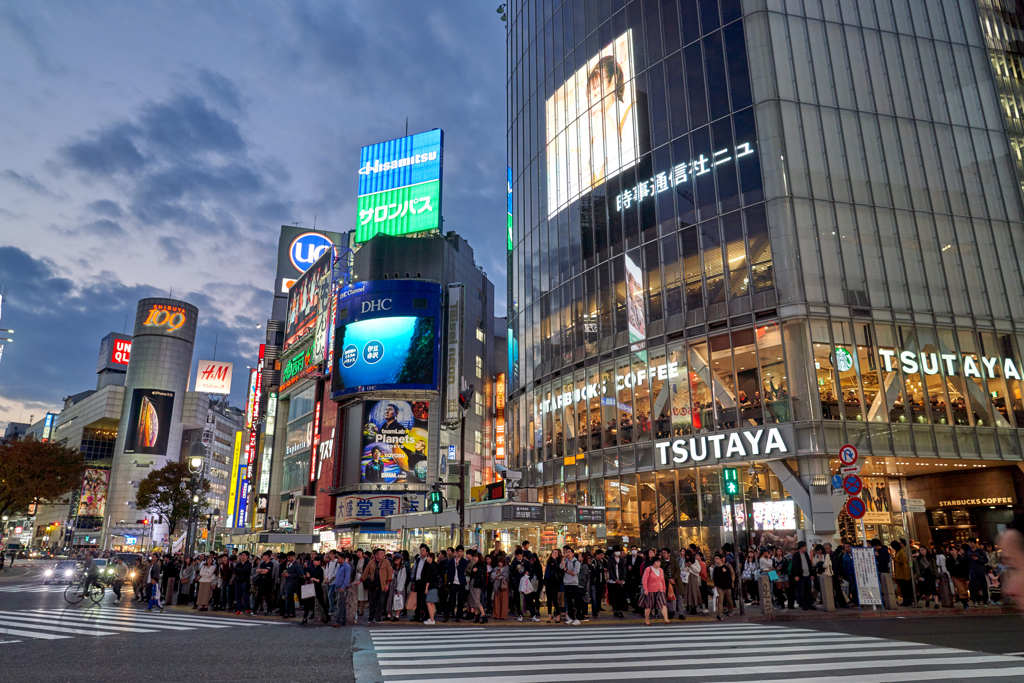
pixel 92 573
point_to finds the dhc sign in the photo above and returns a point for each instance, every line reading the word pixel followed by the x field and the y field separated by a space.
pixel 759 442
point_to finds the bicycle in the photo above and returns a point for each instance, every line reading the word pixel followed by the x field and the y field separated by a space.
pixel 75 593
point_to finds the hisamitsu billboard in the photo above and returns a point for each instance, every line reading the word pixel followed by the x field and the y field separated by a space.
pixel 400 186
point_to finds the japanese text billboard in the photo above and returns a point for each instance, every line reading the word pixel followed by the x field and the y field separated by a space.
pixel 149 422
pixel 387 337
pixel 308 299
pixel 366 508
pixel 394 442
pixel 400 186
pixel 591 124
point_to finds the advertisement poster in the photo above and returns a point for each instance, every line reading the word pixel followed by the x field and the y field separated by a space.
pixel 865 572
pixel 149 422
pixel 387 337
pixel 93 501
pixel 394 442
pixel 213 377
pixel 400 186
pixel 308 299
pixel 637 322
pixel 774 514
pixel 591 124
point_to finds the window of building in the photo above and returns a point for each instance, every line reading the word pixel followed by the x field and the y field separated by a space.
pixel 478 442
pixel 480 336
pixel 479 367
pixel 478 403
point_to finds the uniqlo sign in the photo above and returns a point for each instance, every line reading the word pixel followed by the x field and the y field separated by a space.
pixel 122 351
pixel 213 377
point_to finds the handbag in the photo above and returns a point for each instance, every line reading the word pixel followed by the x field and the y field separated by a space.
pixel 773 575
pixel 307 591
pixel 397 602
pixel 525 585
pixel 411 601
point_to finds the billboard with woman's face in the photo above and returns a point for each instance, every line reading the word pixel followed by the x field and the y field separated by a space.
pixel 591 124
pixel 394 442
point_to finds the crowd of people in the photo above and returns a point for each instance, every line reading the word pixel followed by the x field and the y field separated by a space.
pixel 565 585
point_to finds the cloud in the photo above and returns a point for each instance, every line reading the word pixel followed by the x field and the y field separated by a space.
pixel 25 32
pixel 174 251
pixel 59 324
pixel 105 207
pixel 25 181
pixel 104 227
pixel 221 88
pixel 107 152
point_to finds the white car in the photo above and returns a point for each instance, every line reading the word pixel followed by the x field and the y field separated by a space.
pixel 61 572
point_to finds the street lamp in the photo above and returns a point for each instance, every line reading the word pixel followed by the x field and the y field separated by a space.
pixel 196 464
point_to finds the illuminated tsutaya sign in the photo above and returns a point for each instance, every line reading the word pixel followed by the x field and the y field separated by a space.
pixel 743 443
pixel 588 391
pixel 912 363
pixel 681 173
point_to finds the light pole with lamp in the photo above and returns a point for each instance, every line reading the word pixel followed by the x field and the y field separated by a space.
pixel 195 466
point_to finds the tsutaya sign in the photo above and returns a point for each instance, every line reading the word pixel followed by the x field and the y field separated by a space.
pixel 953 364
pixel 759 442
pixel 589 391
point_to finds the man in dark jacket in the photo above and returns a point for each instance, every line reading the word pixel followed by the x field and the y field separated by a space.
pixel 243 577
pixel 977 562
pixel 516 570
pixel 455 578
pixel 291 577
pixel 801 571
pixel 634 577
pixel 419 577
pixel 618 570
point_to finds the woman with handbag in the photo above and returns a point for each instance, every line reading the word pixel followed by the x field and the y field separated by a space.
pixel 693 583
pixel 500 581
pixel 396 593
pixel 207 577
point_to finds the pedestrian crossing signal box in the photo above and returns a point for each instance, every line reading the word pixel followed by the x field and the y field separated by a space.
pixel 730 481
pixel 435 502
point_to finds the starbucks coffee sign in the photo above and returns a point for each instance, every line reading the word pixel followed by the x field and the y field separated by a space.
pixel 758 442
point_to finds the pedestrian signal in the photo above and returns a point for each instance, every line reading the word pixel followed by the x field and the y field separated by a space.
pixel 435 502
pixel 730 481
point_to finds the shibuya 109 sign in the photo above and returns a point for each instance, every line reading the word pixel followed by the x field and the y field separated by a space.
pixel 596 389
pixel 759 442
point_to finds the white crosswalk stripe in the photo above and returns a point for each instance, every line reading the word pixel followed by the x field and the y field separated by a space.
pixel 741 651
pixel 34 588
pixel 107 620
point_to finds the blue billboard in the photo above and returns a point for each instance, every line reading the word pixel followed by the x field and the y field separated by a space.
pixel 392 164
pixel 387 337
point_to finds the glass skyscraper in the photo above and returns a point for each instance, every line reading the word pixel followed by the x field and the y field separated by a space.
pixel 747 232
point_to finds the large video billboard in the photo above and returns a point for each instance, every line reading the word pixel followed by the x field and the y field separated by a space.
pixel 591 124
pixel 400 186
pixel 394 442
pixel 387 337
pixel 308 298
pixel 93 499
pixel 149 422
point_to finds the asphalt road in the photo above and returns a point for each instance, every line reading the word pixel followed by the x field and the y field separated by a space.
pixel 42 639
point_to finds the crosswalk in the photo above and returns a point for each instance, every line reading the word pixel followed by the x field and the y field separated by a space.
pixel 34 588
pixel 742 651
pixel 58 624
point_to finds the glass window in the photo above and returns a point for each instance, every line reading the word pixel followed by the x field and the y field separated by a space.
pixel 711 247
pixel 301 403
pixel 774 391
pixel 724 386
pixel 654 307
pixel 660 394
pixel 760 250
pixel 679 380
pixel 629 506
pixel 609 412
pixel 735 255
pixel 748 385
pixel 624 395
pixel 826 379
pixel 700 388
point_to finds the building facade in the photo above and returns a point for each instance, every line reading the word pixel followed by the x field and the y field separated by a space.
pixel 747 233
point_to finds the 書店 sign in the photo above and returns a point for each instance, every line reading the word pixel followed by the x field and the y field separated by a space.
pixel 742 443
pixel 366 508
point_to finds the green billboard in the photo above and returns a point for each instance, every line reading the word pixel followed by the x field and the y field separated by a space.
pixel 399 212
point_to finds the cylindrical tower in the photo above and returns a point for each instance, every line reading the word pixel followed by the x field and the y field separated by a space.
pixel 149 433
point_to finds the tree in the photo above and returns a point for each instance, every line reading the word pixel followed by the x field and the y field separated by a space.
pixel 168 492
pixel 35 471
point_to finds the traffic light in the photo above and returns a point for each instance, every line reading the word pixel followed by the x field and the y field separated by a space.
pixel 465 397
pixel 435 502
pixel 730 481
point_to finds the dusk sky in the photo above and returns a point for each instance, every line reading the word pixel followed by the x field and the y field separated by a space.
pixel 153 148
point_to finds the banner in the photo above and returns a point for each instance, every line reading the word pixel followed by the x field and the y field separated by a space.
pixel 93 500
pixel 394 442
pixel 213 377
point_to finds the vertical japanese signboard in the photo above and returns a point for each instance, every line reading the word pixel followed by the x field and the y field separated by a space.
pixel 499 417
pixel 400 186
pixel 453 353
